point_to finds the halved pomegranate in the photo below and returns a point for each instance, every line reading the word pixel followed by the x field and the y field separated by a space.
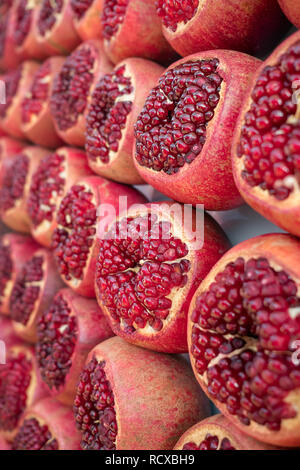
pixel 184 132
pixel 266 147
pixel 9 59
pixel 192 26
pixel 87 204
pixel 116 102
pixel 16 174
pixel 129 398
pixel 218 433
pixel 87 18
pixel 16 83
pixel 149 265
pixel 24 33
pixel 55 31
pixel 36 120
pixel 8 147
pixel 72 90
pixel 131 28
pixel 243 335
pixel 32 293
pixel 15 251
pixel 48 425
pixel 20 387
pixel 66 333
pixel 291 10
pixel 54 176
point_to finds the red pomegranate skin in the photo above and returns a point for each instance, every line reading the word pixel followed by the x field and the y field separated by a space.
pixel 291 10
pixel 88 20
pixel 9 146
pixel 284 213
pixel 282 252
pixel 208 178
pixel 218 427
pixel 9 59
pixel 164 398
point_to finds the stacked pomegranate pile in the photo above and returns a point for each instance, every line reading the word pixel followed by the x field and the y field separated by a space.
pixel 102 292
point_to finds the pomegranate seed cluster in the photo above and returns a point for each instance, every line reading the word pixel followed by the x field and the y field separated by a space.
pixel 113 16
pixel 12 81
pixel 171 129
pixel 138 270
pixel 210 443
pixel 33 103
pixel 80 7
pixel 94 409
pixel 270 137
pixel 34 436
pixel 252 373
pixel 74 237
pixel 174 12
pixel 26 290
pixel 47 16
pixel 71 87
pixel 6 268
pixel 107 115
pixel 57 335
pixel 14 182
pixel 23 21
pixel 47 184
pixel 15 377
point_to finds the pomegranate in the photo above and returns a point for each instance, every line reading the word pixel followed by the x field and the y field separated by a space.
pixel 87 18
pixel 5 6
pixel 32 293
pixel 4 445
pixel 149 266
pixel 158 410
pixel 20 387
pixel 15 251
pixel 72 89
pixel 54 176
pixel 9 58
pixel 116 102
pixel 75 241
pixel 243 335
pixel 218 433
pixel 200 25
pixel 8 147
pixel 266 147
pixel 184 132
pixel 66 333
pixel 16 174
pixel 291 10
pixel 24 34
pixel 36 120
pixel 131 28
pixel 47 425
pixel 7 335
pixel 55 31
pixel 17 83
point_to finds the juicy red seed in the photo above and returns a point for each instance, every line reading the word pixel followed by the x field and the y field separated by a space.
pixel 269 143
pixel 11 80
pixel 74 238
pixel 210 443
pixel 94 409
pixel 46 185
pixel 171 129
pixel 13 183
pixel 6 267
pixel 80 7
pixel 34 436
pixel 173 12
pixel 15 377
pixel 107 116
pixel 48 15
pixel 249 299
pixel 37 96
pixel 26 290
pixel 113 16
pixel 23 21
pixel 57 336
pixel 137 298
pixel 72 85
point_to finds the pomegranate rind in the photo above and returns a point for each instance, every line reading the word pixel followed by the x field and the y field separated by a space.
pixel 4 445
pixel 89 26
pixel 291 10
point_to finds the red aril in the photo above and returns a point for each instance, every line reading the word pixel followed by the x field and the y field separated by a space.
pixel 24 33
pixel 291 10
pixel 54 176
pixel 243 335
pixel 116 102
pixel 36 120
pixel 87 18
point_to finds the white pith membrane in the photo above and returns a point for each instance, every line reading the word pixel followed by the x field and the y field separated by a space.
pixel 177 293
pixel 292 396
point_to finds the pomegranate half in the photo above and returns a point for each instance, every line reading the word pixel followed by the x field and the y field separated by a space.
pixel 87 18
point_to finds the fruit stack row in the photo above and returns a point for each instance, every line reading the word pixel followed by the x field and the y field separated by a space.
pixel 103 292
